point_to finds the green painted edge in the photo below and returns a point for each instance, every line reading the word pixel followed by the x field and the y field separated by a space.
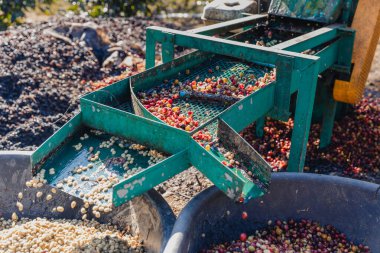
pixel 58 138
pixel 130 126
pixel 152 176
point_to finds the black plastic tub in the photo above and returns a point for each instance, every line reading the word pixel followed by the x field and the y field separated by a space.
pixel 149 215
pixel 352 206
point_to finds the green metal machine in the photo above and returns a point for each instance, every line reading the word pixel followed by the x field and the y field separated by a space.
pixel 291 31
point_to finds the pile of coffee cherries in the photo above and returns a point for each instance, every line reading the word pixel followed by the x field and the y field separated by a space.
pixel 162 106
pixel 204 138
pixel 274 146
pixel 354 149
pixel 292 236
pixel 162 100
pixel 267 40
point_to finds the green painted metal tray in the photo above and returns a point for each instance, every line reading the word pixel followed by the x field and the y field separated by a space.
pixel 206 107
pixel 84 157
pixel 107 118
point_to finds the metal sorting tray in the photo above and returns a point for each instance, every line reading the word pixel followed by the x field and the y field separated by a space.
pixel 76 165
pixel 115 111
pixel 204 106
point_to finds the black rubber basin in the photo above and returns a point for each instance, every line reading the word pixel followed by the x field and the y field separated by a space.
pixel 352 206
pixel 149 215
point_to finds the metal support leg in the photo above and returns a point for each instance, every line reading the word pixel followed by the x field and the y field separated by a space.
pixel 168 48
pixel 259 127
pixel 329 108
pixel 150 54
pixel 302 119
pixel 284 80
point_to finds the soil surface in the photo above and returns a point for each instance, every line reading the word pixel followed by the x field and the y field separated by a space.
pixel 43 76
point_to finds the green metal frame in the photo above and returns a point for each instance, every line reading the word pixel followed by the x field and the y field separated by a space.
pixel 296 72
pixel 151 41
